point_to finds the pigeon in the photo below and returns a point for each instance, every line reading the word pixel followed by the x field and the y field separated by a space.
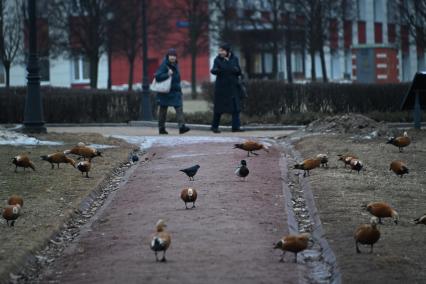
pixel 191 172
pixel 242 171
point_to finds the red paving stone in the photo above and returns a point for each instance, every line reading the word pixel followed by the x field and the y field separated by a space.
pixel 228 238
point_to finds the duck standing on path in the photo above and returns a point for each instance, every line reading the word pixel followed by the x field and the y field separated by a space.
pixel 58 158
pixel 399 168
pixel 11 213
pixel 400 141
pixel 367 234
pixel 294 244
pixel 161 240
pixel 382 210
pixel 15 200
pixel 189 195
pixel 250 147
pixel 191 171
pixel 84 167
pixel 242 171
pixel 22 161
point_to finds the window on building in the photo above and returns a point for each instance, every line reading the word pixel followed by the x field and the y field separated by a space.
pixel 348 65
pixel 335 66
pixel 347 34
pixel 362 36
pixel 298 62
pixel 81 69
pixel 2 74
pixel 378 33
pixel 391 33
pixel 267 63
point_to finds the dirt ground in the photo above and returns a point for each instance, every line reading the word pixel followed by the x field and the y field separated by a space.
pixel 227 238
pixel 50 196
pixel 340 195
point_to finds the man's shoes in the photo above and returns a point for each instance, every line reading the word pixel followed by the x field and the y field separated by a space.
pixel 237 130
pixel 162 130
pixel 215 130
pixel 183 129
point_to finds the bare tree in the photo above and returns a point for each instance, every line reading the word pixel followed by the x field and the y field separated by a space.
pixel 413 15
pixel 318 14
pixel 125 33
pixel 10 34
pixel 196 15
pixel 86 23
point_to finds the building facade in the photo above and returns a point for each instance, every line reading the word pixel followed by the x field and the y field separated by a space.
pixel 370 44
pixel 72 69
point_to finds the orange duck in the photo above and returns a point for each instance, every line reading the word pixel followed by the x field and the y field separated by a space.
pixel 250 147
pixel 400 141
pixel 22 161
pixel 294 244
pixel 367 234
pixel 58 158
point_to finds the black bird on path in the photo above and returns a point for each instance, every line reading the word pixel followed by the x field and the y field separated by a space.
pixel 242 171
pixel 191 172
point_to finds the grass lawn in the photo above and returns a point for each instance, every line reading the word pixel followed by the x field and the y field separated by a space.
pixel 50 196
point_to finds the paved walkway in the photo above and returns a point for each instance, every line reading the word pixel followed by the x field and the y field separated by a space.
pixel 228 238
pixel 152 131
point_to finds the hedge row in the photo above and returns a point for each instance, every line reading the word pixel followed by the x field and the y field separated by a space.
pixel 276 97
pixel 266 99
pixel 62 105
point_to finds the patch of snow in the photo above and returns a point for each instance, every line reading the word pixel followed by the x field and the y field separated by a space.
pixel 8 137
pixel 101 146
pixel 146 142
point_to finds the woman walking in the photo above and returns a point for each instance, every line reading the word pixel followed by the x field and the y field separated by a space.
pixel 168 68
pixel 227 92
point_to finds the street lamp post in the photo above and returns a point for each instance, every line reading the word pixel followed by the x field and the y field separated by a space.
pixel 110 18
pixel 145 110
pixel 33 115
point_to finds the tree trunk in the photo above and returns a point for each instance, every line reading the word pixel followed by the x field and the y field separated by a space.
pixel 275 60
pixel 313 66
pixel 94 60
pixel 6 65
pixel 288 56
pixel 323 66
pixel 194 74
pixel 131 67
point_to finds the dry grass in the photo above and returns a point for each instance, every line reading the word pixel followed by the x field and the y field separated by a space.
pixel 49 195
pixel 340 195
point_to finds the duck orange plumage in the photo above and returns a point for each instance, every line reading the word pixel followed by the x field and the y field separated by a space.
pixel 22 161
pixel 161 240
pixel 11 213
pixel 189 195
pixel 294 244
pixel 16 200
pixel 382 210
pixel 308 165
pixel 399 168
pixel 58 158
pixel 367 234
pixel 84 167
pixel 400 141
pixel 84 152
pixel 346 159
pixel 250 147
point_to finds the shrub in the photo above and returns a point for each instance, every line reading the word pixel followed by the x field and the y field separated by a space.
pixel 278 97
